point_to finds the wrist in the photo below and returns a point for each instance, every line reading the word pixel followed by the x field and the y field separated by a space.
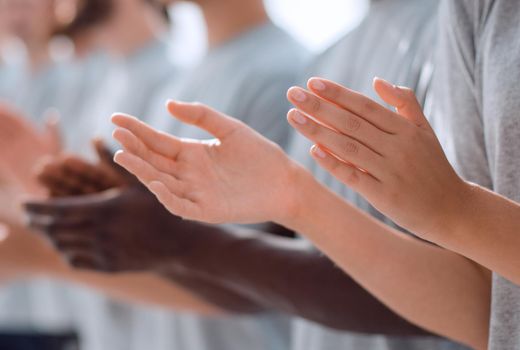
pixel 459 210
pixel 302 188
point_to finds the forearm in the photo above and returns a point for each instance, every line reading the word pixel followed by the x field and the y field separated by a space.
pixel 435 288
pixel 23 255
pixel 145 289
pixel 289 276
pixel 210 289
pixel 486 230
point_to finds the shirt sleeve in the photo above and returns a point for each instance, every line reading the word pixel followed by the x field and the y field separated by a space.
pixel 457 113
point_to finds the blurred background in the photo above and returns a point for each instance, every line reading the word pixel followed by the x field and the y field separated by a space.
pixel 65 67
pixel 300 18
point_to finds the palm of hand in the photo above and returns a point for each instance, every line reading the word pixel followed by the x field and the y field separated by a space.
pixel 228 183
pixel 238 177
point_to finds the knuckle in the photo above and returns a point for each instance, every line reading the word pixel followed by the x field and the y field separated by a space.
pixel 352 124
pixel 408 93
pixel 351 175
pixel 313 129
pixel 369 106
pixel 315 105
pixel 351 147
pixel 333 92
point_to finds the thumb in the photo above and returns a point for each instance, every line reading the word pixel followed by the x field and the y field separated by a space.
pixel 203 117
pixel 106 157
pixel 52 131
pixel 403 99
pixel 104 154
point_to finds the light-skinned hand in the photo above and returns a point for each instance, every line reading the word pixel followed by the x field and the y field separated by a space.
pixel 238 177
pixel 392 158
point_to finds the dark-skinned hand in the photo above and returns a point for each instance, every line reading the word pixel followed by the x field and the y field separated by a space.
pixel 121 229
pixel 71 175
pixel 118 230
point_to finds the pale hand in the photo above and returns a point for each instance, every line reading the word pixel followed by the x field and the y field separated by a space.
pixel 22 146
pixel 239 177
pixel 393 159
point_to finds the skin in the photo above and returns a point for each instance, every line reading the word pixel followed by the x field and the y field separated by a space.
pixel 392 180
pixel 22 149
pixel 214 256
pixel 221 26
pixel 33 22
pixel 186 176
pixel 22 145
pixel 139 234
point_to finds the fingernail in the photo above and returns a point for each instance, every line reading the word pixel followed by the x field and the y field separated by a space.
pixel 318 151
pixel 298 95
pixel 317 84
pixel 298 117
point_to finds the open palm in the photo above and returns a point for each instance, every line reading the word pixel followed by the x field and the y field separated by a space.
pixel 239 177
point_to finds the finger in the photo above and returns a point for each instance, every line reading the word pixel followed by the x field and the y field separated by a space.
pixel 403 99
pixel 92 177
pixel 81 206
pixel 343 147
pixel 67 241
pixel 354 178
pixel 116 175
pixel 57 177
pixel 356 103
pixel 147 173
pixel 157 141
pixel 203 117
pixel 133 145
pixel 51 224
pixel 104 154
pixel 174 204
pixel 83 260
pixel 336 117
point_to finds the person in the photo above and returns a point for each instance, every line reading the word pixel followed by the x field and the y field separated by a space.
pixel 252 38
pixel 36 75
pixel 317 288
pixel 360 126
pixel 41 302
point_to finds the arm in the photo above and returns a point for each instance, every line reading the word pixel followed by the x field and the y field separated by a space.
pixel 239 270
pixel 190 178
pixel 290 276
pixel 24 255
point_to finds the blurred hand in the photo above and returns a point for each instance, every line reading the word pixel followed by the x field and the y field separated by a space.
pixel 239 177
pixel 70 175
pixel 392 158
pixel 119 230
pixel 22 146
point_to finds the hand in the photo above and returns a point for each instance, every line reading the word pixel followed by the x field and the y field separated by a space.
pixel 239 177
pixel 22 146
pixel 69 175
pixel 114 231
pixel 392 158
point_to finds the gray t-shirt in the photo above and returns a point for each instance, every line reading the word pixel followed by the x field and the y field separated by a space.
pixel 129 86
pixel 48 305
pixel 246 78
pixel 396 42
pixel 32 93
pixel 478 118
